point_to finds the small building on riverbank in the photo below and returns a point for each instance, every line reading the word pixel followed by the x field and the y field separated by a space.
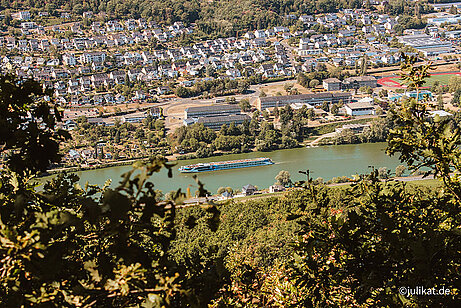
pixel 249 189
pixel 276 188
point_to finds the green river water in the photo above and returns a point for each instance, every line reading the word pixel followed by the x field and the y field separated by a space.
pixel 324 161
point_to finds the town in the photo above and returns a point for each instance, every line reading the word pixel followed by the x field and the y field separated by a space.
pixel 222 153
pixel 131 88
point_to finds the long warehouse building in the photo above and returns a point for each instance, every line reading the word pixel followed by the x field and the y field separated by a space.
pixel 217 122
pixel 314 99
pixel 211 111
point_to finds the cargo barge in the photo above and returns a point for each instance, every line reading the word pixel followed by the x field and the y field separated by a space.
pixel 223 165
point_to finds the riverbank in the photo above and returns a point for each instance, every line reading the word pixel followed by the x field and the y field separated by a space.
pixel 415 181
pixel 326 162
pixel 321 132
pixel 93 167
pixel 187 157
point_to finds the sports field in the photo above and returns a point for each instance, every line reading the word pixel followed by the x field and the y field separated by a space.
pixel 395 82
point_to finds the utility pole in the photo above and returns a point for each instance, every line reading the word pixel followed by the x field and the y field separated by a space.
pixel 307 173
pixel 374 172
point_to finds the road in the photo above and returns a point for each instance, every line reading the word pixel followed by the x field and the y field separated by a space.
pixel 173 109
pixel 290 52
pixel 317 140
pixel 415 178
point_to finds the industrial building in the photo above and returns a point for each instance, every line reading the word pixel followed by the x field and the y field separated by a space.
pixel 428 45
pixel 314 99
pixel 217 122
pixel 211 111
pixel 359 108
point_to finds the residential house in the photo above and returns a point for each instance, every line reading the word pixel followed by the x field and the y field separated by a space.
pixel 260 33
pixel 276 188
pixel 69 59
pixel 90 57
pixel 267 70
pixel 164 90
pixel 280 29
pixel 99 80
pixel 118 77
pixel 23 15
pixel 233 72
pixel 306 18
pixel 249 189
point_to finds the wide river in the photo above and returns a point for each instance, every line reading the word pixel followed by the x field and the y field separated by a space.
pixel 324 161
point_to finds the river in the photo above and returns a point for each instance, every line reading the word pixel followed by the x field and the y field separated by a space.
pixel 324 161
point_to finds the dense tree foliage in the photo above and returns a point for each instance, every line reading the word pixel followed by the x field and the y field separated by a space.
pixel 359 245
pixel 223 17
pixel 377 131
pixel 123 139
pixel 409 235
pixel 409 22
pixel 71 246
pixel 283 178
pixel 27 126
pixel 214 87
pixel 68 246
pixel 244 137
pixel 257 234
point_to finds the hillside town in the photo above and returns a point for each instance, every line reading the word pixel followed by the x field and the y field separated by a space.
pixel 134 73
pixel 223 153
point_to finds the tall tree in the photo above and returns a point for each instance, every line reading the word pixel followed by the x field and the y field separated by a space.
pixel 283 178
pixel 288 87
pixel 27 126
pixel 364 65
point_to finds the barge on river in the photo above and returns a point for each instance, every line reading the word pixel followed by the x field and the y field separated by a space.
pixel 223 165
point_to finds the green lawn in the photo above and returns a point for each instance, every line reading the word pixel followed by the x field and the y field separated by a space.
pixel 442 79
pixel 433 183
pixel 430 183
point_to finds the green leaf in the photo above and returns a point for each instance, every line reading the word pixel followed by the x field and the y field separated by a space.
pixel 117 203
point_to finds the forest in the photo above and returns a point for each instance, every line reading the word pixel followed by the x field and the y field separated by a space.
pixel 223 17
